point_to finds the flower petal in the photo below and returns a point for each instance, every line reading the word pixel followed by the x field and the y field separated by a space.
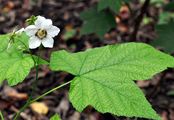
pixel 47 24
pixel 48 42
pixel 53 31
pixel 31 30
pixel 34 42
pixel 39 20
pixel 43 23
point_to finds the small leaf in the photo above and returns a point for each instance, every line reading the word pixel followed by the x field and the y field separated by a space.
pixel 12 41
pixel 14 64
pixel 97 22
pixel 104 77
pixel 170 93
pixel 165 18
pixel 55 117
pixel 114 5
pixel 156 1
pixel 165 37
pixel 69 34
pixel 127 1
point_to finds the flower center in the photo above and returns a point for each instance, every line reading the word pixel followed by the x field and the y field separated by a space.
pixel 41 33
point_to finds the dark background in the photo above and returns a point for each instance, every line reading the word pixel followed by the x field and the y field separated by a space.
pixel 65 15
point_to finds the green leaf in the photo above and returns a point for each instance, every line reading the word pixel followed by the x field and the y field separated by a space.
pixel 170 93
pixel 4 39
pixel 14 41
pixel 165 17
pixel 157 2
pixel 127 1
pixel 55 117
pixel 15 67
pixel 69 34
pixel 165 37
pixel 21 41
pixel 104 77
pixel 97 22
pixel 14 64
pixel 40 61
pixel 114 5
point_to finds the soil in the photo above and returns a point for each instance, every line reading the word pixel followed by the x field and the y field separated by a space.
pixel 65 14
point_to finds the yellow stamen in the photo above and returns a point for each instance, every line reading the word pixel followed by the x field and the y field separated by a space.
pixel 41 33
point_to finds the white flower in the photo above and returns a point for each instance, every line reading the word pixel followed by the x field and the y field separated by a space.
pixel 42 32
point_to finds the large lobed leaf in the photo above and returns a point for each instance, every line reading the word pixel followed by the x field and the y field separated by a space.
pixel 97 22
pixel 104 77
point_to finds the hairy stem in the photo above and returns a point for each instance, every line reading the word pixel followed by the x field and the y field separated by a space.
pixel 139 20
pixel 30 98
pixel 1 115
pixel 50 91
pixel 39 97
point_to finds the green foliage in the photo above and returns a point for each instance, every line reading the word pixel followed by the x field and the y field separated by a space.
pixel 166 17
pixel 31 20
pixel 165 37
pixel 169 6
pixel 104 77
pixel 170 93
pixel 14 64
pixel 21 41
pixel 97 22
pixel 14 41
pixel 114 5
pixel 156 2
pixel 55 117
pixel 4 40
pixel 69 34
pixel 39 60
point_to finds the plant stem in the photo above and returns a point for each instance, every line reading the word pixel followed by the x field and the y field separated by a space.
pixel 30 98
pixel 139 20
pixel 50 91
pixel 39 97
pixel 2 117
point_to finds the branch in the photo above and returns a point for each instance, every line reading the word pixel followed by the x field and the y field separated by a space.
pixel 139 19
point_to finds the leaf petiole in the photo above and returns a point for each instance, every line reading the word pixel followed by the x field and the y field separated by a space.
pixel 50 91
pixel 1 116
pixel 41 96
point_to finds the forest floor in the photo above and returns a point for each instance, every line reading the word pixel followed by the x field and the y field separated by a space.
pixel 65 14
